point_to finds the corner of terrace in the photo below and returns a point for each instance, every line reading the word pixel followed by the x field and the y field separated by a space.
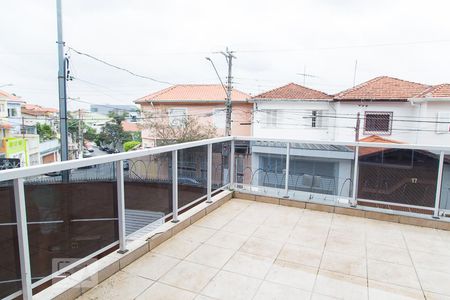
pixel 231 218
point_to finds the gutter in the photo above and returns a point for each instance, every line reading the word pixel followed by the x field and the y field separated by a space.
pixel 433 99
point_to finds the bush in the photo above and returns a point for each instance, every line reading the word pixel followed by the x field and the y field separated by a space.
pixel 130 145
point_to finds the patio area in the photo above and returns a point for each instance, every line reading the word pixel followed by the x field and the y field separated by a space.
pixel 253 250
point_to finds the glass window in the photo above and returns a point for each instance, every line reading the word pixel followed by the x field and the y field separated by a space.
pixel 378 123
pixel 177 116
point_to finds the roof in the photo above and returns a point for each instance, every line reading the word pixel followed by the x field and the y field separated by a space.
pixel 193 92
pixel 374 139
pixel 10 97
pixel 130 127
pixel 383 88
pixel 5 125
pixel 436 91
pixel 293 91
pixel 37 110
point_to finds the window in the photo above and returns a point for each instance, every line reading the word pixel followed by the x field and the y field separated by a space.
pixel 177 116
pixel 443 122
pixel 271 118
pixel 314 119
pixel 378 123
pixel 12 112
pixel 219 117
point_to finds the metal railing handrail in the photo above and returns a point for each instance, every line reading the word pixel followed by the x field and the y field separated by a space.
pixel 78 163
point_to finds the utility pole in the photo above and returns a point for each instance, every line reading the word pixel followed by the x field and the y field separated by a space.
pixel 62 86
pixel 229 57
pixel 357 127
pixel 80 135
pixel 354 73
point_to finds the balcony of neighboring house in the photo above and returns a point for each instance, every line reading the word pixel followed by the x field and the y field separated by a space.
pixel 231 218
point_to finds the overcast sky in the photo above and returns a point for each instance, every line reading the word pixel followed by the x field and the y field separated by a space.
pixel 168 40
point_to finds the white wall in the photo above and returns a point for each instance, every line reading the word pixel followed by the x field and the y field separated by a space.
pixel 293 120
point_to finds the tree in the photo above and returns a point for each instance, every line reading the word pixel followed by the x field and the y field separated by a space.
pixel 45 132
pixel 185 129
pixel 113 133
pixel 127 146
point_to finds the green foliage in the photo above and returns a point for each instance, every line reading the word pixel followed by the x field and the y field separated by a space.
pixel 127 146
pixel 45 132
pixel 113 133
pixel 73 124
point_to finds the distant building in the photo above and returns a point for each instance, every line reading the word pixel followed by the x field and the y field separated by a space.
pixel 109 108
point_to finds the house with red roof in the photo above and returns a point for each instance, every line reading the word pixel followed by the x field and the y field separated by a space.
pixel 205 102
pixel 295 112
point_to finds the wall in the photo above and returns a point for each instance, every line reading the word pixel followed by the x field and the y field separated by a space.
pixel 294 120
pixel 241 114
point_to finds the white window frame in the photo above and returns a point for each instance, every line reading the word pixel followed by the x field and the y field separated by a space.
pixel 443 122
pixel 378 132
pixel 219 117
pixel 270 118
pixel 176 120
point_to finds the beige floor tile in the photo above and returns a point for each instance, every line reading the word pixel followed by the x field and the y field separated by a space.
pixel 387 253
pixel 301 255
pixel 189 276
pixel 313 216
pixel 120 286
pixel 435 282
pixel 261 247
pixel 241 227
pixel 275 291
pixel 345 264
pixel 196 234
pixel 176 247
pixel 212 221
pixel 435 262
pixel 434 296
pixel 295 275
pixel 389 237
pixel 202 297
pixel 392 273
pixel 355 234
pixel 160 291
pixel 284 217
pixel 345 246
pixel 316 296
pixel 226 285
pixel 228 240
pixel 249 265
pixel 341 286
pixel 277 234
pixel 308 239
pixel 210 255
pixel 151 266
pixel 381 291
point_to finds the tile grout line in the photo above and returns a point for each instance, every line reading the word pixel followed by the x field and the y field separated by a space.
pixel 321 257
pixel 278 254
pixel 414 265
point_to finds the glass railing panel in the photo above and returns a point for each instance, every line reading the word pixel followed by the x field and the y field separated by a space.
pixel 398 176
pixel 192 174
pixel 445 186
pixel 320 172
pixel 148 192
pixel 9 258
pixel 260 166
pixel 220 164
pixel 71 214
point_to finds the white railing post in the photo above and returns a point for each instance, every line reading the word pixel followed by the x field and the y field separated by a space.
pixel 22 237
pixel 121 206
pixel 354 200
pixel 232 162
pixel 437 200
pixel 209 174
pixel 175 186
pixel 286 180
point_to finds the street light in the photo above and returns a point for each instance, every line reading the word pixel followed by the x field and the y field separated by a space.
pixel 8 84
pixel 217 73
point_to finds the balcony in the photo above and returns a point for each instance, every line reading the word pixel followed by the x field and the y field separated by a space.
pixel 231 218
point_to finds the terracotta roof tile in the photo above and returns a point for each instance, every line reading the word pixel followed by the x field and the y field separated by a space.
pixel 436 91
pixel 374 139
pixel 130 127
pixel 293 91
pixel 383 88
pixel 7 96
pixel 193 92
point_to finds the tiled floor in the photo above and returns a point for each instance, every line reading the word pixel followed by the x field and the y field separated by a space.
pixel 252 250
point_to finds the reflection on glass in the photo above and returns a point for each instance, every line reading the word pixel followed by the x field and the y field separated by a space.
pixel 192 174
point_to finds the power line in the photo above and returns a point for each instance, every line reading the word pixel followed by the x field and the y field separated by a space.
pixel 117 67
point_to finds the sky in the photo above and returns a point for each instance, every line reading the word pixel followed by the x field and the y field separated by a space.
pixel 274 43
